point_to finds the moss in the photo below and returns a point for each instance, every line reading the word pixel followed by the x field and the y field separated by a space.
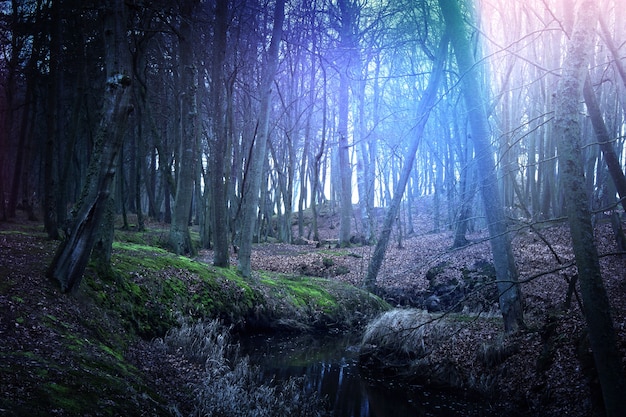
pixel 154 285
pixel 60 396
pixel 318 302
pixel 335 252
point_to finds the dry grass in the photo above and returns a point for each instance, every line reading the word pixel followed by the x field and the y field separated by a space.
pixel 229 384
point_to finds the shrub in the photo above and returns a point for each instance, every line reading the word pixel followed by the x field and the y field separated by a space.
pixel 231 386
pixel 404 332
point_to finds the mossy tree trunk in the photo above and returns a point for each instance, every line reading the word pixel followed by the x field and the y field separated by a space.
pixel 506 271
pixel 568 133
pixel 70 261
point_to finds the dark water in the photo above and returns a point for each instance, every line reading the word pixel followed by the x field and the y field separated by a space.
pixel 330 365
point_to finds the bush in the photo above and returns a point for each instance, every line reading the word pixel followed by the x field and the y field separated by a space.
pixel 404 332
pixel 231 386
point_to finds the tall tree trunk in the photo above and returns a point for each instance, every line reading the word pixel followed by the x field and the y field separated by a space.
pixel 568 132
pixel 317 162
pixel 252 184
pixel 344 168
pixel 50 218
pixel 348 44
pixel 219 212
pixel 506 270
pixel 423 111
pixel 69 263
pixel 180 237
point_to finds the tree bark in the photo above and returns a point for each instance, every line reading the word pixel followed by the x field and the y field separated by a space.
pixel 252 184
pixel 568 133
pixel 69 263
pixel 347 44
pixel 219 212
pixel 506 270
pixel 50 218
pixel 180 237
pixel 71 258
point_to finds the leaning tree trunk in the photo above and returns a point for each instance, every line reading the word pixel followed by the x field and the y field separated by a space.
pixel 567 129
pixel 252 184
pixel 72 256
pixel 504 262
pixel 423 111
pixel 604 140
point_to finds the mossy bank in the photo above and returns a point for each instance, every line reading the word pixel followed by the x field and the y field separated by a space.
pixel 77 354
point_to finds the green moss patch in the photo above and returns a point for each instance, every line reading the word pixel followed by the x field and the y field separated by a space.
pixel 305 303
pixel 153 286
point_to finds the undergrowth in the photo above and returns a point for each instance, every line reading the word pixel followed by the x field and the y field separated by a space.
pixel 230 385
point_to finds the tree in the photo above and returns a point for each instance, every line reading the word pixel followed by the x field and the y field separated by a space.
pixel 348 11
pixel 425 105
pixel 180 237
pixel 219 212
pixel 604 140
pixel 71 258
pixel 252 183
pixel 504 262
pixel 567 128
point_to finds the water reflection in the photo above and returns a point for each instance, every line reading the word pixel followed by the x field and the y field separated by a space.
pixel 331 367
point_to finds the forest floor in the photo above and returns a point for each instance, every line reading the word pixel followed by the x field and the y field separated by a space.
pixel 543 370
pixel 546 369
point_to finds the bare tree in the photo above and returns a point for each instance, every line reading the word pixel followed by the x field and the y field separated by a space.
pixel 180 238
pixel 424 108
pixel 504 262
pixel 597 309
pixel 69 263
pixel 252 185
pixel 219 209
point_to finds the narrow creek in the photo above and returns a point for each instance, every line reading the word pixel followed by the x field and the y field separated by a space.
pixel 330 364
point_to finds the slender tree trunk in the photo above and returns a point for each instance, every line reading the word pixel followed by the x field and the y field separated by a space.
pixel 344 168
pixel 348 44
pixel 568 132
pixel 180 237
pixel 252 185
pixel 423 111
pixel 504 262
pixel 139 163
pixel 604 140
pixel 219 212
pixel 50 218
pixel 317 162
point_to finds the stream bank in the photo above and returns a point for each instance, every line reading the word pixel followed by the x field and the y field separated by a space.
pixel 91 353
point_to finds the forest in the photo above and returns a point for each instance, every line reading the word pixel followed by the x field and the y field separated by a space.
pixel 235 132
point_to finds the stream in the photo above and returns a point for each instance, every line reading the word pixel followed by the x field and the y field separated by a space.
pixel 330 364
